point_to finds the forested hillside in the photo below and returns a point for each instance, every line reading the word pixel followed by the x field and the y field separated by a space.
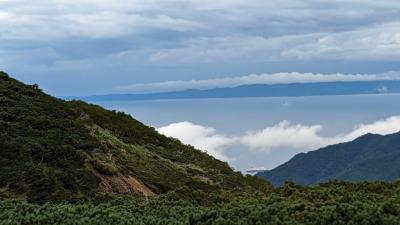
pixel 368 158
pixel 55 150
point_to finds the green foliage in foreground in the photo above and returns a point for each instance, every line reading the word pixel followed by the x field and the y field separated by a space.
pixel 331 203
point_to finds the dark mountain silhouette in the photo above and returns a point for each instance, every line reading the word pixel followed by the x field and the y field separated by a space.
pixel 368 158
pixel 263 90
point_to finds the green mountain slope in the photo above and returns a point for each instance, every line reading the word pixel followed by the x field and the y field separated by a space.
pixel 54 150
pixel 368 158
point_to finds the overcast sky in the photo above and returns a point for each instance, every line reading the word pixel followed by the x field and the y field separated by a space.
pixel 89 47
pixel 103 46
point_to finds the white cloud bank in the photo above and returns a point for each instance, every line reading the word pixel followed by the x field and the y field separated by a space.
pixel 284 135
pixel 276 78
pixel 204 138
pixel 304 138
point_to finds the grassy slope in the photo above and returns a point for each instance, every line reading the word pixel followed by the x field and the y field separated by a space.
pixel 54 150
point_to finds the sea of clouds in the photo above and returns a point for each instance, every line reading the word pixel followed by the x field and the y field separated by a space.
pixel 284 135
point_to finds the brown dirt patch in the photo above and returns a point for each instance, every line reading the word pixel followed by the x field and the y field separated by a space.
pixel 123 184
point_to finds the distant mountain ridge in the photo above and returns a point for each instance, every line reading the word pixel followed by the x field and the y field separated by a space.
pixel 263 90
pixel 368 158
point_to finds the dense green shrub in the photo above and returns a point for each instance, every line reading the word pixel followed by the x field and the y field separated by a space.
pixel 42 146
pixel 330 203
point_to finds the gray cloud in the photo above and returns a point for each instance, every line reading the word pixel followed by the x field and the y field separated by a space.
pixel 379 42
pixel 376 42
pixel 120 16
pixel 141 41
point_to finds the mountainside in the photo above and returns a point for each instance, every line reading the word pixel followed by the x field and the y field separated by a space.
pixel 53 150
pixel 75 163
pixel 264 90
pixel 368 158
